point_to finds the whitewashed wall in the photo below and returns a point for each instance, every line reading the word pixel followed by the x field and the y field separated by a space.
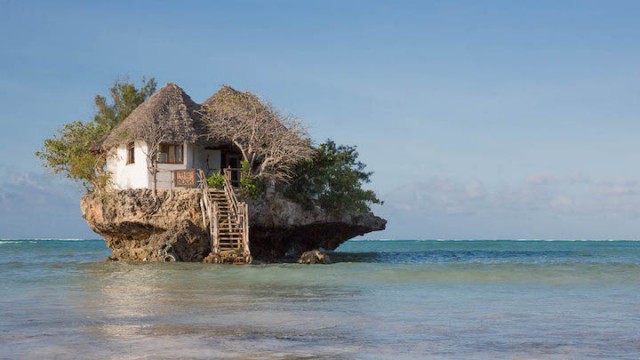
pixel 137 176
pixel 129 176
pixel 208 160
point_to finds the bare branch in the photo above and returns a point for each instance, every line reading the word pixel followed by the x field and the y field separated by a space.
pixel 271 143
pixel 153 133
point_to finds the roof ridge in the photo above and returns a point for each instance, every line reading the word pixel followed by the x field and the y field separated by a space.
pixel 170 104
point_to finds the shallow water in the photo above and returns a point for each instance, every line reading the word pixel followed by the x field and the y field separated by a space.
pixel 381 299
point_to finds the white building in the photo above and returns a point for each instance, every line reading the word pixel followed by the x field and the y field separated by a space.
pixel 185 144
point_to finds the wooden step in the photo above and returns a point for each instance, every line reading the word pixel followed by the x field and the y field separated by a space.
pixel 230 235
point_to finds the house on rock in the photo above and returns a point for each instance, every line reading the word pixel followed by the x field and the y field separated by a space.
pixel 170 142
pixel 163 142
pixel 164 145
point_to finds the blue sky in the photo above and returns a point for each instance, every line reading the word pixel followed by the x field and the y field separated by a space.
pixel 481 120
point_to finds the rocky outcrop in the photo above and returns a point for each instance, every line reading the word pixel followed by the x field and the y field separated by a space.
pixel 314 257
pixel 282 229
pixel 137 225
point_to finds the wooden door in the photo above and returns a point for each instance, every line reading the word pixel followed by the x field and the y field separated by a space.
pixel 233 162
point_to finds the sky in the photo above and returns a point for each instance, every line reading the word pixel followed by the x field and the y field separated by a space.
pixel 479 119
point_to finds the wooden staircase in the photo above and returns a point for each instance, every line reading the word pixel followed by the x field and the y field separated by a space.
pixel 228 223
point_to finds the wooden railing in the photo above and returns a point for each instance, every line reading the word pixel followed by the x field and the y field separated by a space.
pixel 240 210
pixel 231 195
pixel 211 211
pixel 245 232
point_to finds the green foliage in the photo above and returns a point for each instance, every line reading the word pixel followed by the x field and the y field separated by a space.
pixel 71 149
pixel 250 187
pixel 333 180
pixel 249 184
pixel 216 180
pixel 125 98
pixel 68 151
pixel 245 168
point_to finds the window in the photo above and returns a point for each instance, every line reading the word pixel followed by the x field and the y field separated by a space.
pixel 170 154
pixel 131 153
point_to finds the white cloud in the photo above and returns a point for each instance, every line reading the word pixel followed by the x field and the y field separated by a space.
pixel 36 205
pixel 562 203
pixel 619 187
pixel 540 205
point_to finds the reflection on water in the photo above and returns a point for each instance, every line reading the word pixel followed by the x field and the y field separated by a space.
pixel 567 301
pixel 232 309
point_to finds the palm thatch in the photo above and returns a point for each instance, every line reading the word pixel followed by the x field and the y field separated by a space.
pixel 270 142
pixel 226 92
pixel 236 103
pixel 171 109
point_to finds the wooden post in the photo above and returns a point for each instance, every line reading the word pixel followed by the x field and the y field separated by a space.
pixel 203 210
pixel 215 234
pixel 245 234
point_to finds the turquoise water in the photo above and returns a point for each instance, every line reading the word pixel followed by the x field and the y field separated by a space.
pixel 379 300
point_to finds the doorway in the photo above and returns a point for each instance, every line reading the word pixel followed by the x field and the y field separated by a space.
pixel 233 161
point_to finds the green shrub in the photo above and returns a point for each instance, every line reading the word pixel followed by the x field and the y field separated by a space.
pixel 249 185
pixel 216 180
pixel 333 180
pixel 70 151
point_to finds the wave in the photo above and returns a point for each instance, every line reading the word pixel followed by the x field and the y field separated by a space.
pixel 3 242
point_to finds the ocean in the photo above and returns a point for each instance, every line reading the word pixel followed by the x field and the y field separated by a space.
pixel 379 300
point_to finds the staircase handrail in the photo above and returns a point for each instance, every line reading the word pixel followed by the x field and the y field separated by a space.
pixel 231 194
pixel 212 212
pixel 245 233
pixel 240 212
pixel 204 188
pixel 215 238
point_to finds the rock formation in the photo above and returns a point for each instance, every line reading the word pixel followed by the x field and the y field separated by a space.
pixel 139 226
pixel 314 257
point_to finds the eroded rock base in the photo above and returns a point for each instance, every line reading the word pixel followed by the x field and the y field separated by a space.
pixel 182 241
pixel 140 226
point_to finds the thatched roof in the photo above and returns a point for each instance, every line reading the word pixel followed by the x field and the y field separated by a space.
pixel 224 92
pixel 169 107
pixel 229 97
